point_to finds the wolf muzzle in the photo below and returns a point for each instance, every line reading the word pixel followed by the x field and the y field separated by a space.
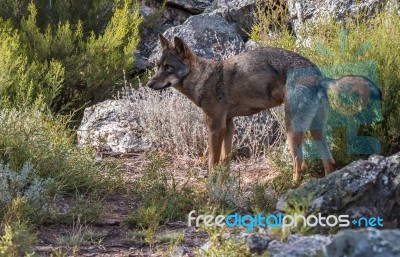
pixel 152 84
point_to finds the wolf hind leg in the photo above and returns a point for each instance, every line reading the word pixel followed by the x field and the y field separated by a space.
pixel 319 137
pixel 298 118
pixel 295 140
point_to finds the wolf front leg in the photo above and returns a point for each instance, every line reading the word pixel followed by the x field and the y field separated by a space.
pixel 216 132
pixel 227 142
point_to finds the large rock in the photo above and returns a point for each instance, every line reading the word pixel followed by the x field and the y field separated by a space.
pixel 209 35
pixel 303 11
pixel 239 13
pixel 193 6
pixel 155 22
pixel 220 32
pixel 369 242
pixel 251 45
pixel 299 246
pixel 366 242
pixel 365 188
pixel 112 125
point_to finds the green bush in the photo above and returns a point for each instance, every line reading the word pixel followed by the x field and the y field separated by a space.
pixel 62 65
pixel 47 67
pixel 226 243
pixel 95 13
pixel 23 195
pixel 17 240
pixel 25 82
pixel 162 198
pixel 40 163
pixel 31 135
pixel 328 45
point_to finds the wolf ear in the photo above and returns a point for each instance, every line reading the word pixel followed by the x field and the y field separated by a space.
pixel 164 42
pixel 182 49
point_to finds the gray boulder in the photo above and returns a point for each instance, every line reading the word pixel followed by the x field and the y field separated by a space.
pixel 303 11
pixel 155 22
pixel 209 35
pixel 112 125
pixel 251 45
pixel 239 13
pixel 182 251
pixel 366 242
pixel 299 246
pixel 369 242
pixel 365 188
pixel 258 242
pixel 193 6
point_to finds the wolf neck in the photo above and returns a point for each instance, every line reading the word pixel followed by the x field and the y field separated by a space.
pixel 201 71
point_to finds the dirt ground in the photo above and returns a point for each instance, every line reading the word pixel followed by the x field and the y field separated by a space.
pixel 111 237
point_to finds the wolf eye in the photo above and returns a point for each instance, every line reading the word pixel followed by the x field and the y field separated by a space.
pixel 168 67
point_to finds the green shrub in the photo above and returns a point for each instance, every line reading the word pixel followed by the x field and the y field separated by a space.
pixel 39 162
pixel 23 195
pixel 162 198
pixel 47 67
pixel 31 135
pixel 16 240
pixel 86 208
pixel 263 199
pixel 95 13
pixel 62 65
pixel 225 243
pixel 25 82
pixel 270 25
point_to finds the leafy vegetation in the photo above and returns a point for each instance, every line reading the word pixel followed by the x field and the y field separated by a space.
pixel 52 63
pixel 95 13
pixel 41 163
pixel 17 240
pixel 63 65
pixel 223 243
pixel 162 198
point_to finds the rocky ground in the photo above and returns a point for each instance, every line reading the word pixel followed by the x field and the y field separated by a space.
pixel 367 188
pixel 110 236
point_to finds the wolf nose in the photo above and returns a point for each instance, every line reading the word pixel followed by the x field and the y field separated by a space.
pixel 151 83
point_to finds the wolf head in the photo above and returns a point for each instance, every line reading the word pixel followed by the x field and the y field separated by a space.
pixel 174 64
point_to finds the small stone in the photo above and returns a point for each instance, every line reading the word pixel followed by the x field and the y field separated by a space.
pixel 182 252
pixel 258 242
